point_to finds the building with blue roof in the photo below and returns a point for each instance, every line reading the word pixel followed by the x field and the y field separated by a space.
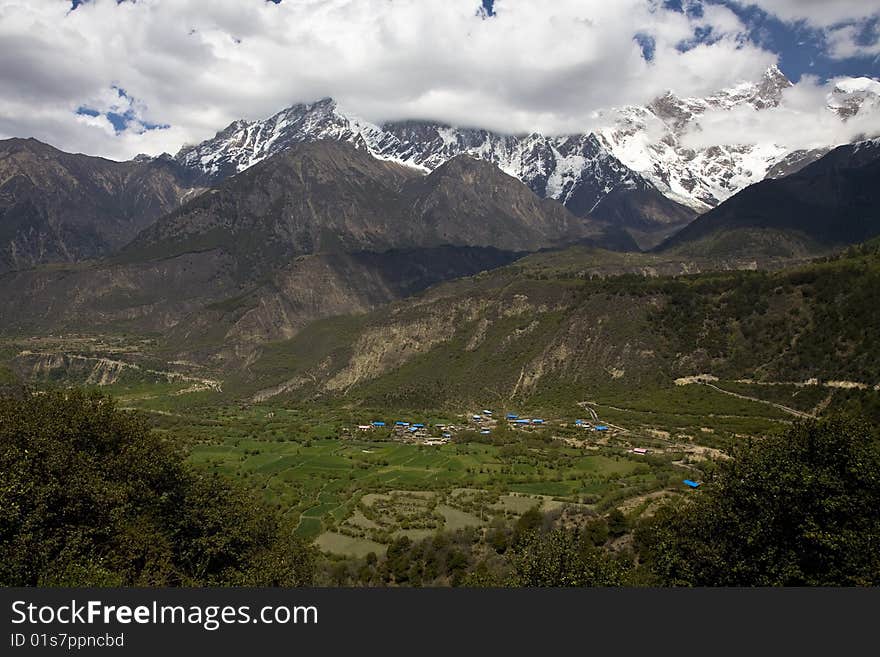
pixel 691 483
pixel 512 416
pixel 378 424
pixel 601 427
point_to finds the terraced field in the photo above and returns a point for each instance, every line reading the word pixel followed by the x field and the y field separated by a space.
pixel 377 491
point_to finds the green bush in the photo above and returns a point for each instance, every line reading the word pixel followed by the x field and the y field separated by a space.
pixel 796 510
pixel 89 496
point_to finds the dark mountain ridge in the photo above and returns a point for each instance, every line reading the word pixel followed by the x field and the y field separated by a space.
pixel 64 207
pixel 330 197
pixel 830 203
pixel 319 229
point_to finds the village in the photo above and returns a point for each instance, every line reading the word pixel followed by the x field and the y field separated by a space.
pixel 484 423
pixel 580 433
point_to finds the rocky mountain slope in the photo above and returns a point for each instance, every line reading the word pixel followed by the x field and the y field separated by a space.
pixel 577 171
pixel 63 207
pixel 829 203
pixel 329 196
pixel 545 331
pixel 636 171
pixel 319 229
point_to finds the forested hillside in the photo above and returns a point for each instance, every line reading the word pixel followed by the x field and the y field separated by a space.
pixel 546 330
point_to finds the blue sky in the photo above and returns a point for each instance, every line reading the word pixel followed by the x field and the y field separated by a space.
pixel 803 49
pixel 122 114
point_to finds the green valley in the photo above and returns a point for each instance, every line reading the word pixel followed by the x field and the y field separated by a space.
pixel 641 381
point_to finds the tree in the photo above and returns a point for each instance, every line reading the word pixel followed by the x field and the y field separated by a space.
pixel 497 538
pixel 596 531
pixel 89 496
pixel 617 523
pixel 531 521
pixel 796 510
pixel 559 558
pixel 398 558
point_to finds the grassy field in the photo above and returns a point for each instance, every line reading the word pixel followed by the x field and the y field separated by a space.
pixel 352 494
pixel 378 489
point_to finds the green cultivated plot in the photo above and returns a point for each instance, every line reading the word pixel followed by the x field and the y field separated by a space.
pixel 352 495
pixel 348 545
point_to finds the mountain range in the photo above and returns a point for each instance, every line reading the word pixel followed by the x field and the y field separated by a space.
pixel 830 203
pixel 636 174
pixel 318 229
pixel 324 229
pixel 575 170
pixel 329 196
pixel 253 236
pixel 63 207
pixel 638 171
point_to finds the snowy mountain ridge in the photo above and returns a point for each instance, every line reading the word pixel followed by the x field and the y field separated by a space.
pixel 642 148
pixel 652 139
pixel 576 170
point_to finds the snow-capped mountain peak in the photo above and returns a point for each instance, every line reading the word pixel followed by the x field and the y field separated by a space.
pixel 651 140
pixel 245 143
pixel 577 170
pixel 641 148
pixel 853 95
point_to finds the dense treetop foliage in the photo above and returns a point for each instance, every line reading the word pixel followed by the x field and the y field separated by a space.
pixel 802 509
pixel 89 496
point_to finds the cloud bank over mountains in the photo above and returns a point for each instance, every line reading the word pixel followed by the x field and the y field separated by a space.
pixel 120 78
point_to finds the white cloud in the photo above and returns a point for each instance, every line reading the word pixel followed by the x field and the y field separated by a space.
pixel 818 13
pixel 197 66
pixel 844 42
pixel 801 121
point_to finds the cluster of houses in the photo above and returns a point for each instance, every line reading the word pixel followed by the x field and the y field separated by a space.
pixel 484 422
pixel 412 432
pixel 583 424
